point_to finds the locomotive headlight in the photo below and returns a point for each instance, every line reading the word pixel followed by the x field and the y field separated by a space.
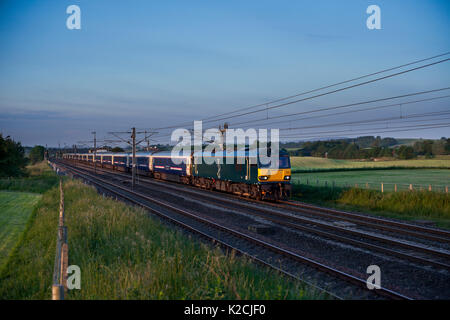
pixel 287 177
pixel 263 177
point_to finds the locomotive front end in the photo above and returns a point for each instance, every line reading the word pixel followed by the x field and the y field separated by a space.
pixel 276 182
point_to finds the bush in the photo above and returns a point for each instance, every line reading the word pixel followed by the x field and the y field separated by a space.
pixel 403 204
pixel 421 203
pixel 12 158
pixel 40 179
pixel 37 154
pixel 405 153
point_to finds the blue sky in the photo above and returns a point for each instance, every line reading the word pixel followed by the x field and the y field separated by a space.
pixel 155 63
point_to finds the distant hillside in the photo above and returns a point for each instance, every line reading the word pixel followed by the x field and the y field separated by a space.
pixel 369 147
pixel 362 142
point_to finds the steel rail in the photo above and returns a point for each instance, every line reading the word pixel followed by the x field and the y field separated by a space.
pixel 358 217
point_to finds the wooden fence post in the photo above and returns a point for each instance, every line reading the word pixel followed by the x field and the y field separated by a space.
pixel 59 286
pixel 429 187
pixel 382 188
pixel 395 187
pixel 410 187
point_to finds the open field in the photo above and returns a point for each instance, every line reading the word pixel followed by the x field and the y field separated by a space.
pixel 15 209
pixel 317 164
pixel 125 254
pixel 40 179
pixel 420 178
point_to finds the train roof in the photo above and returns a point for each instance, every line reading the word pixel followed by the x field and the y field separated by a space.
pixel 234 153
pixel 230 153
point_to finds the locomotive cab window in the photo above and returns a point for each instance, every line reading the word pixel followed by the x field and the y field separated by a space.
pixel 284 163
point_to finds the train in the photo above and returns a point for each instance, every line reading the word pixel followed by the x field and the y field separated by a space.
pixel 245 176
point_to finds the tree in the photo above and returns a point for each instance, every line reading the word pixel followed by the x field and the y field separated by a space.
pixel 37 154
pixel 12 158
pixel 405 152
pixel 438 147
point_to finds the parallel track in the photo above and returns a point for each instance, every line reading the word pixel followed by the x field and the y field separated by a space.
pixel 383 224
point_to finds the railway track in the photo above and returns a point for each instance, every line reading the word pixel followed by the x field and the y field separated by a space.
pixel 141 199
pixel 404 250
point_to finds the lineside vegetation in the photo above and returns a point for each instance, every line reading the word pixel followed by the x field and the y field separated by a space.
pixel 125 254
pixel 38 178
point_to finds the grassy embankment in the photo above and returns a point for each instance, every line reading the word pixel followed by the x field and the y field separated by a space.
pixel 18 198
pixel 125 254
pixel 415 205
pixel 40 179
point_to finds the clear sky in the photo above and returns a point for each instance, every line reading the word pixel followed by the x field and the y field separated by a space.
pixel 156 63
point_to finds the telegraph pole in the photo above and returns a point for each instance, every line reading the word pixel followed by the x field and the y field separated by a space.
pixel 95 151
pixel 133 168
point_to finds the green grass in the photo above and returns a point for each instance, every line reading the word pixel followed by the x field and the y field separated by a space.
pixel 406 205
pixel 318 164
pixel 40 179
pixel 124 254
pixel 420 178
pixel 15 209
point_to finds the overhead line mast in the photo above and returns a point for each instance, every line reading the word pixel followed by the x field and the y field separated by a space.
pixel 95 151
pixel 133 144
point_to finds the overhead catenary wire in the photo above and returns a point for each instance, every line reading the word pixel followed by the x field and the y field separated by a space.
pixel 266 104
pixel 355 104
pixel 365 131
pixel 353 132
pixel 326 93
pixel 433 114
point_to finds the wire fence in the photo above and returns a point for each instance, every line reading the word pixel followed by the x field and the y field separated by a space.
pixel 59 286
pixel 381 186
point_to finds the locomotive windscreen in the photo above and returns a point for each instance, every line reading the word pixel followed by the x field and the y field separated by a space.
pixel 284 163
